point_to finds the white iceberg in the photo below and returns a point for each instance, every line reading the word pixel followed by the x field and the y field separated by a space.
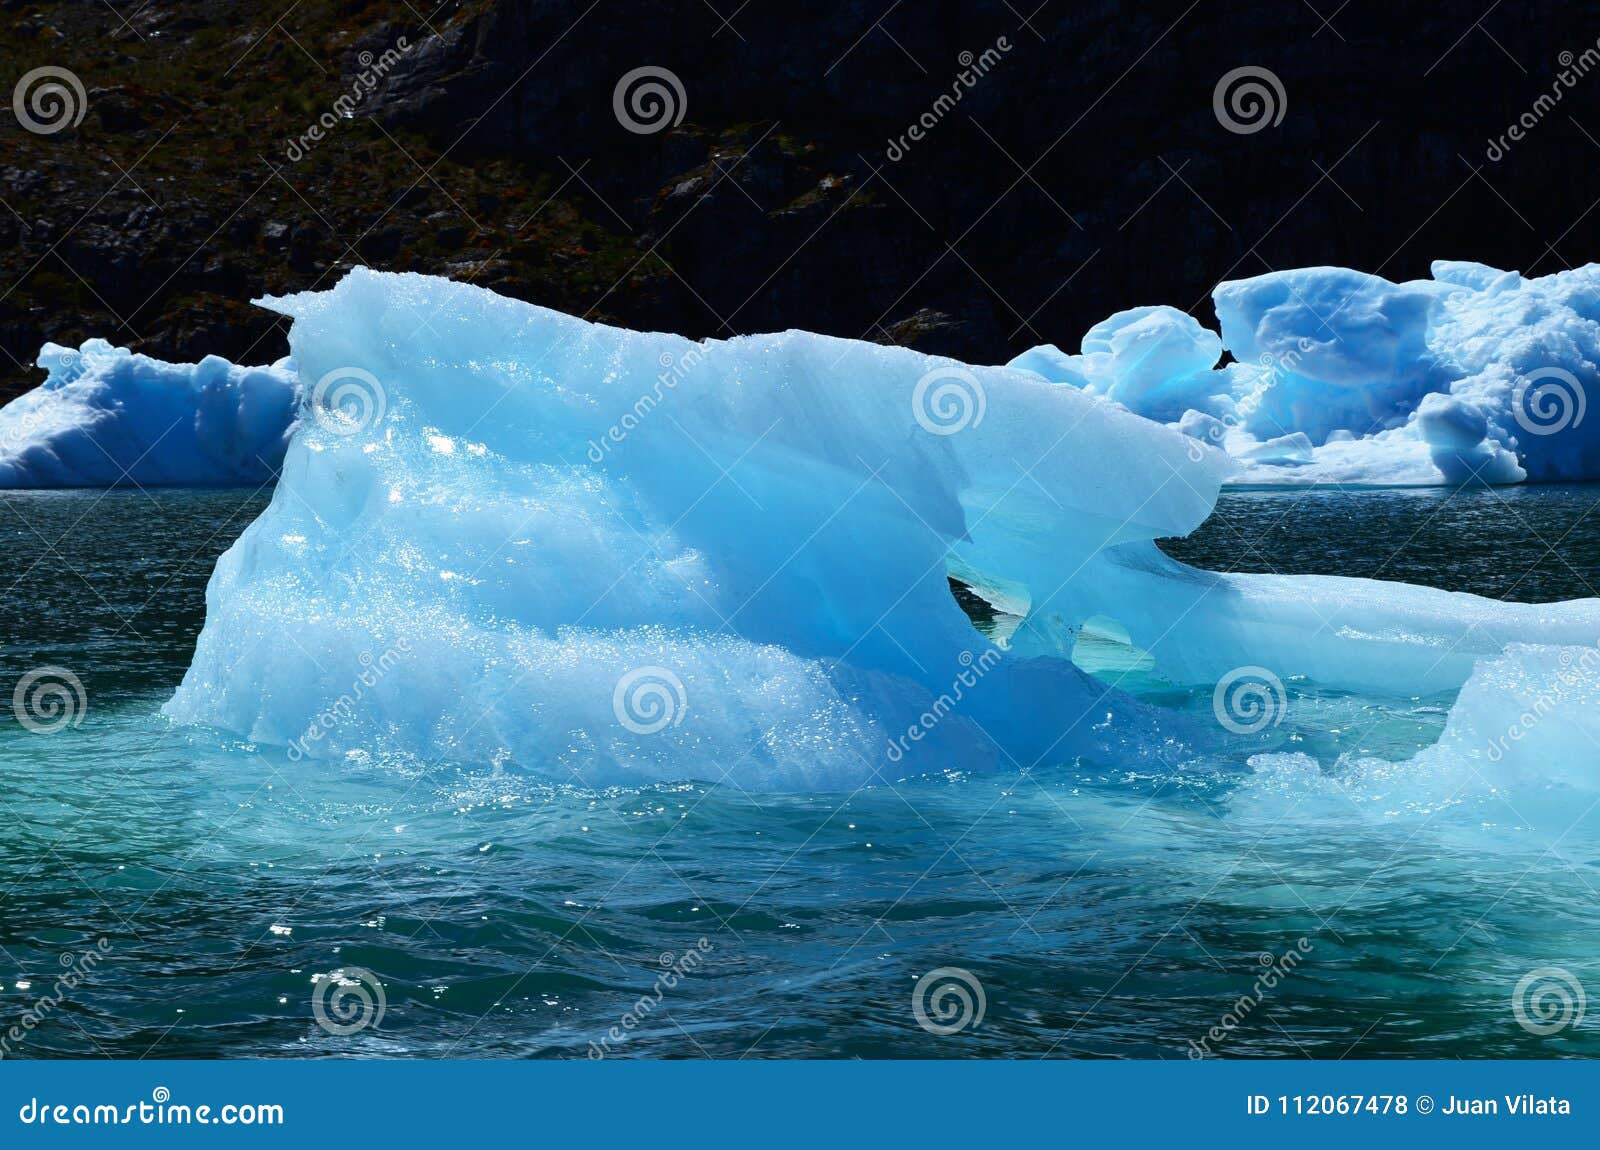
pixel 1338 376
pixel 506 535
pixel 106 416
pixel 1321 350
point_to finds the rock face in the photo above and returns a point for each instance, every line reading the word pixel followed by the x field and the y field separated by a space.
pixel 1091 141
pixel 813 167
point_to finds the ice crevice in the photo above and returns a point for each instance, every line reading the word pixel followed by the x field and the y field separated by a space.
pixel 503 534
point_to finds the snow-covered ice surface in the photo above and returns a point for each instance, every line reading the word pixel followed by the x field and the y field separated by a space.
pixel 616 557
pixel 106 416
pixel 1340 376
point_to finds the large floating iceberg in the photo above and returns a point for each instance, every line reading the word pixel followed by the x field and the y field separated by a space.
pixel 106 416
pixel 507 535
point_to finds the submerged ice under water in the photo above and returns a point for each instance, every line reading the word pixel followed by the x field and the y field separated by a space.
pixel 1107 909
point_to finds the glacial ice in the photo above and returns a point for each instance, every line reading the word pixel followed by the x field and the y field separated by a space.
pixel 1476 375
pixel 1325 349
pixel 106 416
pixel 511 536
pixel 1532 715
pixel 541 507
pixel 1153 360
pixel 1524 720
pixel 1337 377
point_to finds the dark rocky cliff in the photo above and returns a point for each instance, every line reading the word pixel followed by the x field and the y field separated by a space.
pixel 1084 171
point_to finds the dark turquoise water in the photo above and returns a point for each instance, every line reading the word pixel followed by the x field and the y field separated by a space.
pixel 1102 913
pixel 1530 544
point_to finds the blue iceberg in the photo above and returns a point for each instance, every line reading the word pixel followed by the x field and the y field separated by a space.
pixel 106 417
pixel 507 535
pixel 1473 376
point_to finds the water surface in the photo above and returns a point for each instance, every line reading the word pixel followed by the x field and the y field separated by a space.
pixel 1105 911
